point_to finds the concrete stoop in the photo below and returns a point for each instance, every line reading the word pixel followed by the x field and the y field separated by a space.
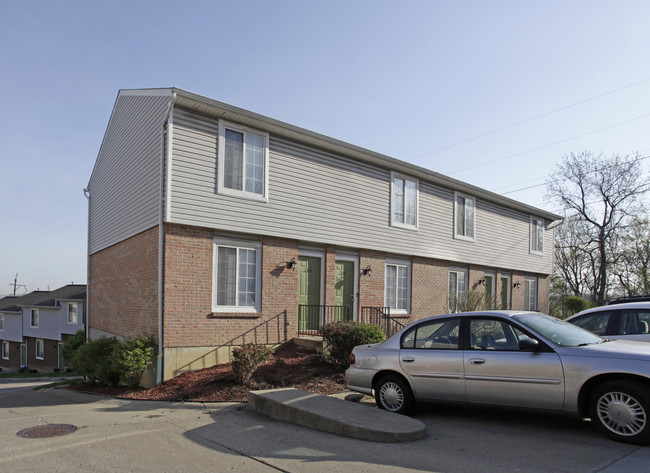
pixel 336 416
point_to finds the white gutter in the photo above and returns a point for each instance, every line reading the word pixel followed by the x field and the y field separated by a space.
pixel 161 235
pixel 86 312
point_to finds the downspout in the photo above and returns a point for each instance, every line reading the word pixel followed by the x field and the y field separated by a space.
pixel 86 313
pixel 161 235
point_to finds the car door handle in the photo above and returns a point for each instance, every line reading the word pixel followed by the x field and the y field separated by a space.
pixel 408 359
pixel 476 361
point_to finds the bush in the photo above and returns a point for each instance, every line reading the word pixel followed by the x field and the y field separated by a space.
pixel 133 357
pixel 341 337
pixel 575 304
pixel 247 359
pixel 72 345
pixel 108 361
pixel 97 362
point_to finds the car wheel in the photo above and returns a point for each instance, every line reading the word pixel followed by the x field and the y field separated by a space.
pixel 621 410
pixel 394 394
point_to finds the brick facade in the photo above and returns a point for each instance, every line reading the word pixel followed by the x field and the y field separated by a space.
pixel 122 287
pixel 50 355
pixel 13 363
pixel 123 293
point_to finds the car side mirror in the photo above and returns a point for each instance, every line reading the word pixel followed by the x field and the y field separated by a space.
pixel 528 344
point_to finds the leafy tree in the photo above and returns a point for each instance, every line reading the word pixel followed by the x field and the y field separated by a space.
pixel 72 345
pixel 601 195
pixel 133 356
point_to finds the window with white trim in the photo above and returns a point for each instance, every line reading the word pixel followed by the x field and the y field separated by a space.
pixel 40 349
pixel 236 277
pixel 397 286
pixel 457 289
pixel 243 162
pixel 530 293
pixel 404 201
pixel 5 350
pixel 2 322
pixel 72 313
pixel 536 235
pixel 33 318
pixel 464 217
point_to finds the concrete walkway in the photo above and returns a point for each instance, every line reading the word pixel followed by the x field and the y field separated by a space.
pixel 336 416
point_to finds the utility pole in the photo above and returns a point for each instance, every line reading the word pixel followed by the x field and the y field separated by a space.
pixel 16 285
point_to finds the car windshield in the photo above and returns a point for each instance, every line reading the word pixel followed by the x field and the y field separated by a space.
pixel 558 331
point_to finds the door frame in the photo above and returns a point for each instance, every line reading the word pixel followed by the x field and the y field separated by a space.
pixel 321 255
pixel 355 272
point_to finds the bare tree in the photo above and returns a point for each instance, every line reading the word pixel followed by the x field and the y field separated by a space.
pixel 633 268
pixel 600 196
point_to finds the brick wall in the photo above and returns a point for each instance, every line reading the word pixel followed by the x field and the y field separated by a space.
pixel 50 358
pixel 13 363
pixel 429 287
pixel 188 317
pixel 371 286
pixel 122 287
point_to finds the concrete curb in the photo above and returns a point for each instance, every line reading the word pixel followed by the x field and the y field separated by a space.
pixel 336 416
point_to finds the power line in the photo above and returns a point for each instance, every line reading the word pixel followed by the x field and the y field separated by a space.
pixel 560 180
pixel 549 145
pixel 530 119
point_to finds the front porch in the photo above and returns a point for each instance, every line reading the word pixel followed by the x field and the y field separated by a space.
pixel 312 317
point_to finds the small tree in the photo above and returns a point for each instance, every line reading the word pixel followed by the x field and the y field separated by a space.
pixel 247 359
pixel 133 356
pixel 71 346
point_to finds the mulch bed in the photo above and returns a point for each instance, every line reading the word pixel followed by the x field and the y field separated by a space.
pixel 288 367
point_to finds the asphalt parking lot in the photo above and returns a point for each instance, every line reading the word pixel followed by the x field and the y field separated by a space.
pixel 120 435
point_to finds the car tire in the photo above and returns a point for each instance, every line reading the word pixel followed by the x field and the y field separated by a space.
pixel 621 410
pixel 393 394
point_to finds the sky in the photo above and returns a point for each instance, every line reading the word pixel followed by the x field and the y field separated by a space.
pixel 493 93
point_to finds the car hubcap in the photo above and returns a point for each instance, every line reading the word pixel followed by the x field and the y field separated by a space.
pixel 391 396
pixel 621 413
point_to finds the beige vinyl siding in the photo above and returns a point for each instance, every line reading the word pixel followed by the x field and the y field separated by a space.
pixel 320 197
pixel 125 184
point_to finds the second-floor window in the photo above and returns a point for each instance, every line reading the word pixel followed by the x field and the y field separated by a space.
pixel 72 313
pixel 33 318
pixel 536 235
pixel 465 217
pixel 2 321
pixel 243 162
pixel 404 201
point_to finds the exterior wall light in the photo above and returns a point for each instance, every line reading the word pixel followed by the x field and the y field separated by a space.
pixel 366 271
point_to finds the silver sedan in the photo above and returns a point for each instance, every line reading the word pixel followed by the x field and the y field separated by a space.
pixel 514 359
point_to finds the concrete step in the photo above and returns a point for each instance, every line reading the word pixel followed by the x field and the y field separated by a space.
pixel 337 416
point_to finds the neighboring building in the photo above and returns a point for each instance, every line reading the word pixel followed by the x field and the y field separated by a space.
pixel 210 226
pixel 33 327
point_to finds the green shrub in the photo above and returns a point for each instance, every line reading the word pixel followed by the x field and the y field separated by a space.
pixel 71 345
pixel 341 337
pixel 96 361
pixel 133 357
pixel 575 304
pixel 247 359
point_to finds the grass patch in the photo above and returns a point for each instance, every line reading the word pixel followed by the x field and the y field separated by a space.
pixel 38 375
pixel 65 382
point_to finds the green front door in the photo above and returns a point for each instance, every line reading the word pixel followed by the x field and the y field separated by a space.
pixel 309 269
pixel 344 290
